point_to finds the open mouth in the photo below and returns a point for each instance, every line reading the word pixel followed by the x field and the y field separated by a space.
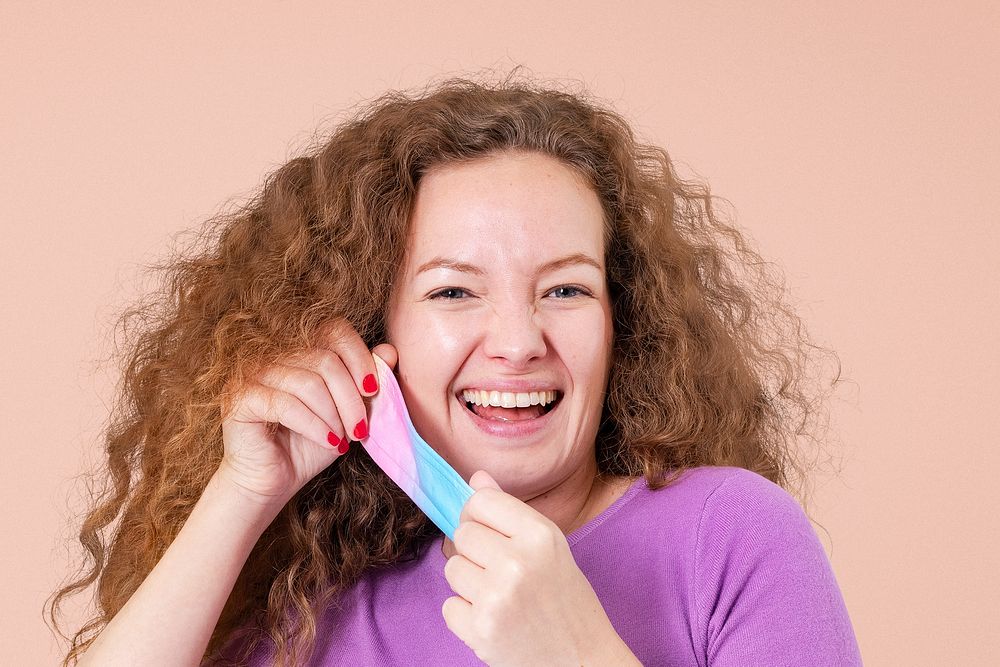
pixel 496 413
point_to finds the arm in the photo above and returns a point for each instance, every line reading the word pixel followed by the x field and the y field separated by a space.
pixel 766 594
pixel 309 396
pixel 170 617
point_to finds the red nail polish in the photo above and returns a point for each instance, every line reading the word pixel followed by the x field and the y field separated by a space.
pixel 361 430
pixel 344 446
pixel 370 383
pixel 333 439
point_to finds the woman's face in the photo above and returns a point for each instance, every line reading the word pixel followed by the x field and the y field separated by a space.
pixel 503 290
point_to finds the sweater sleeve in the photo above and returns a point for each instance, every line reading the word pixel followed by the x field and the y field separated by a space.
pixel 765 593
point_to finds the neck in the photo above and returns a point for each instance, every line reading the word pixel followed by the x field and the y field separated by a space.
pixel 569 504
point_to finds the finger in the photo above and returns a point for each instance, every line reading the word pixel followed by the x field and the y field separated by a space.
pixel 387 353
pixel 260 403
pixel 348 345
pixel 481 545
pixel 310 388
pixel 343 387
pixel 321 379
pixel 464 577
pixel 457 615
pixel 500 511
pixel 483 480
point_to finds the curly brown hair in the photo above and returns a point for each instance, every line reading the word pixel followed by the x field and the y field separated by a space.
pixel 709 363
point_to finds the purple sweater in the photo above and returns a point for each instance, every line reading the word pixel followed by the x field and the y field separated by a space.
pixel 720 569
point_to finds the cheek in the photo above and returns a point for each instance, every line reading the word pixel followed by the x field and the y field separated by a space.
pixel 585 351
pixel 431 348
pixel 588 372
pixel 443 337
pixel 447 336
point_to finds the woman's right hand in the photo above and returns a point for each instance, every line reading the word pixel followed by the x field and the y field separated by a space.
pixel 277 435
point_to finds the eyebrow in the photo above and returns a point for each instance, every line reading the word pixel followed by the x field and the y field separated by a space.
pixel 465 267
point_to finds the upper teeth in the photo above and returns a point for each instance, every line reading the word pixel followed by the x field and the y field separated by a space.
pixel 507 399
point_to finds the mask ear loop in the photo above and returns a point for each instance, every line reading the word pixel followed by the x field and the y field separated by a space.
pixel 396 447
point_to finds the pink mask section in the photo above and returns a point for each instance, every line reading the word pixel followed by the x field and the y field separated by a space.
pixel 396 447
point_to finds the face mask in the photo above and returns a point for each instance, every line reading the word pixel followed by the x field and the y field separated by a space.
pixel 392 442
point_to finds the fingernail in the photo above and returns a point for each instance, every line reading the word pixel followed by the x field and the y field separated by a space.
pixel 370 384
pixel 344 446
pixel 333 439
pixel 361 430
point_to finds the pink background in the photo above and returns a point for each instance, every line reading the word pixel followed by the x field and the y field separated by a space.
pixel 858 142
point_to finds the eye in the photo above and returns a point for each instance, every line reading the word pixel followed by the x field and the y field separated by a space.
pixel 569 291
pixel 448 294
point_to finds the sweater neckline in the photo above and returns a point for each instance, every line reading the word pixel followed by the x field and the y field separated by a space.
pixel 575 536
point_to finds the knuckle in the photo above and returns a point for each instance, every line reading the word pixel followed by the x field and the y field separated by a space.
pixel 244 394
pixel 252 404
pixel 449 567
pixel 278 402
pixel 302 382
pixel 329 364
pixel 339 331
pixel 472 504
pixel 252 398
pixel 268 400
pixel 270 375
pixel 486 626
pixel 449 608
pixel 540 537
pixel 516 570
pixel 331 326
pixel 292 358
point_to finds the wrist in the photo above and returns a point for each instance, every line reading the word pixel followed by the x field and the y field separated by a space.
pixel 250 507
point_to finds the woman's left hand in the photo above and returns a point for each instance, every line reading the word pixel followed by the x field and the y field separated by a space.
pixel 521 599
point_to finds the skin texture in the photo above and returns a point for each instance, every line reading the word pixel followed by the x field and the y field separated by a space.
pixel 520 597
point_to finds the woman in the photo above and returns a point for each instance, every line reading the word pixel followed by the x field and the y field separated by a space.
pixel 483 240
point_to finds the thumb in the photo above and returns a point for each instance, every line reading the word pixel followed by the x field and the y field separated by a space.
pixel 387 353
pixel 482 480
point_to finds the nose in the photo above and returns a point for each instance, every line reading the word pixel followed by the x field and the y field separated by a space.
pixel 514 335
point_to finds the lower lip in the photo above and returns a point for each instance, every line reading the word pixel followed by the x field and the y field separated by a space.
pixel 511 429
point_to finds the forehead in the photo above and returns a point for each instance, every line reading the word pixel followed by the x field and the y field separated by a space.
pixel 511 210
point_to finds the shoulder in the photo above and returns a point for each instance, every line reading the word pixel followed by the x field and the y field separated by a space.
pixel 740 498
pixel 755 546
pixel 745 516
pixel 718 488
pixel 764 590
pixel 733 518
pixel 735 489
pixel 699 510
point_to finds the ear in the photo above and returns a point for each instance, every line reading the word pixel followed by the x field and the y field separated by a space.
pixel 482 480
pixel 388 354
